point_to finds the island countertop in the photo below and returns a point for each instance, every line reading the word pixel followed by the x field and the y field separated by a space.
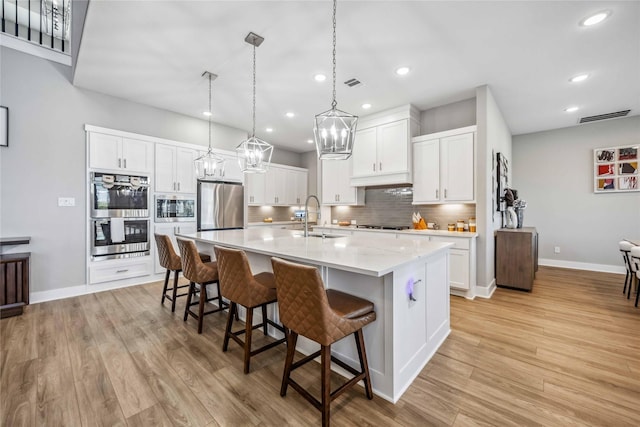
pixel 367 255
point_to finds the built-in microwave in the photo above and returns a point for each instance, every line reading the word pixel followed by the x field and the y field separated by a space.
pixel 119 196
pixel 114 238
pixel 173 208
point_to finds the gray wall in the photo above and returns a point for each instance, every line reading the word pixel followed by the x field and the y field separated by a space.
pixel 46 159
pixel 450 116
pixel 553 172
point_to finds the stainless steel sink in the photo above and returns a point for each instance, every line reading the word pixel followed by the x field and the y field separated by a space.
pixel 325 236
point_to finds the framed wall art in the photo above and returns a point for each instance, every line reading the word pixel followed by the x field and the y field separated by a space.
pixel 4 127
pixel 615 169
pixel 502 177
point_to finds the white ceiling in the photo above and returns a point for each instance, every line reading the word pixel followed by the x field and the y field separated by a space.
pixel 154 52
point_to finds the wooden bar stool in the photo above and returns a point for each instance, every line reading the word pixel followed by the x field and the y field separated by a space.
pixel 250 291
pixel 201 274
pixel 170 260
pixel 323 316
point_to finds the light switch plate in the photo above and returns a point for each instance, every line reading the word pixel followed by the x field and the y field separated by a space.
pixel 66 201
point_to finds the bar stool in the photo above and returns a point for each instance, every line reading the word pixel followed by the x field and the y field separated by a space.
pixel 202 274
pixel 170 260
pixel 625 249
pixel 250 291
pixel 323 316
pixel 634 258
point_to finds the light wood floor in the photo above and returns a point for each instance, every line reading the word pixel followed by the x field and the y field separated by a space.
pixel 566 354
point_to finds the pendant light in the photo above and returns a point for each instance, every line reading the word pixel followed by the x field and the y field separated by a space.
pixel 254 154
pixel 334 130
pixel 209 165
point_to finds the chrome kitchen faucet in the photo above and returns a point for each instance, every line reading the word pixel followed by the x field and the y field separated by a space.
pixel 306 213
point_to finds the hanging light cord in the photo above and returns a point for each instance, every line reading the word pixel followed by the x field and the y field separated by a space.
pixel 210 112
pixel 254 88
pixel 334 103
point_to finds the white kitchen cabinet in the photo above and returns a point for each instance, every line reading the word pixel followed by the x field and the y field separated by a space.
pixel 255 183
pixel 336 185
pixel 175 171
pixel 232 170
pixel 119 269
pixel 296 184
pixel 382 148
pixel 169 230
pixel 279 186
pixel 275 187
pixel 117 153
pixel 444 167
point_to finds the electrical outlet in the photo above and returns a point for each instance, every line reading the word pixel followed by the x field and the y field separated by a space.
pixel 556 250
pixel 66 201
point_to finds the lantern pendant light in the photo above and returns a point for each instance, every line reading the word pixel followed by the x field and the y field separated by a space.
pixel 334 130
pixel 209 165
pixel 254 154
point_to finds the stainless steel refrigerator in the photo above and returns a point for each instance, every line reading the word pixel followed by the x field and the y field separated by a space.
pixel 220 205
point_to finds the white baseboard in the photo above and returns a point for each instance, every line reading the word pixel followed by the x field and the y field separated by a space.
pixel 605 268
pixel 74 291
pixel 486 291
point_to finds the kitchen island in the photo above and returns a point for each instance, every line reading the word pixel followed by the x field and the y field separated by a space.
pixel 407 280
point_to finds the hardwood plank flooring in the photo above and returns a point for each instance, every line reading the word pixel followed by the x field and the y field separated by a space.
pixel 566 354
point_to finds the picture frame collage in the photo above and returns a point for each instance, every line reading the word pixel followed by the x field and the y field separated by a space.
pixel 616 169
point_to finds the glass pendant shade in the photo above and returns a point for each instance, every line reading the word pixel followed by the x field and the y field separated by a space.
pixel 334 132
pixel 254 155
pixel 209 165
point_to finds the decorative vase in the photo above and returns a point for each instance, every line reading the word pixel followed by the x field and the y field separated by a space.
pixel 520 215
pixel 512 218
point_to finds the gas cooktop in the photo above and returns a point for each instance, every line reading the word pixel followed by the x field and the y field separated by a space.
pixel 384 227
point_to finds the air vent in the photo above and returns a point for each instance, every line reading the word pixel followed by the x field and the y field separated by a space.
pixel 604 116
pixel 353 82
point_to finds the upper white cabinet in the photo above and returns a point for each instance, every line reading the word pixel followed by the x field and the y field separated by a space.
pixel 443 167
pixel 279 186
pixel 336 185
pixel 175 172
pixel 118 153
pixel 382 148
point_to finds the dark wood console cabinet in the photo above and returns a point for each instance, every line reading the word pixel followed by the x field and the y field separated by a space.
pixel 516 257
pixel 14 283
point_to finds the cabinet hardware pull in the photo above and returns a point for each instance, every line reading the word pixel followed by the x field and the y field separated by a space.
pixel 445 193
pixel 178 186
pixel 437 194
pixel 119 163
pixel 122 271
pixel 125 163
pixel 380 167
pixel 374 167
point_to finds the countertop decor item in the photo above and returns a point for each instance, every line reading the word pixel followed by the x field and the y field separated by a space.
pixel 334 130
pixel 254 154
pixel 209 165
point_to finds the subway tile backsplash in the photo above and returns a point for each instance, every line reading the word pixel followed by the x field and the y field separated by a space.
pixel 392 206
pixel 278 213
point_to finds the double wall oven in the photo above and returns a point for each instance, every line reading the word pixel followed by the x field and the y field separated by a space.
pixel 119 216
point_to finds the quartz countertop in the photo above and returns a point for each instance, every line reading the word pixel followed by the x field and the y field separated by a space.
pixel 407 231
pixel 367 255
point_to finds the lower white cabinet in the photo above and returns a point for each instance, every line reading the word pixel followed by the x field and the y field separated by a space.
pixel 170 230
pixel 113 270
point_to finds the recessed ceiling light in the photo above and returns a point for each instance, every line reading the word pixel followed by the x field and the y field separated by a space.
pixel 320 77
pixel 206 113
pixel 309 141
pixel 595 19
pixel 402 71
pixel 366 106
pixel 290 114
pixel 571 109
pixel 269 129
pixel 579 78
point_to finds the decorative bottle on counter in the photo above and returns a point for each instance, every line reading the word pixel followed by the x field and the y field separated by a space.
pixel 472 224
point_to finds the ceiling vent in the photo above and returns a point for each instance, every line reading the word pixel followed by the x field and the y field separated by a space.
pixel 353 82
pixel 604 116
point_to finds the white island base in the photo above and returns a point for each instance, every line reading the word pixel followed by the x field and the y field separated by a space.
pixel 409 328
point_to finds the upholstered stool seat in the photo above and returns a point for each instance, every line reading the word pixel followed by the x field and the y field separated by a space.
pixel 201 274
pixel 323 316
pixel 170 260
pixel 250 291
pixel 634 262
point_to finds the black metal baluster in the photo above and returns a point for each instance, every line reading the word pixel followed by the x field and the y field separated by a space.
pixel 16 18
pixel 3 16
pixel 52 38
pixel 29 26
pixel 63 13
pixel 41 18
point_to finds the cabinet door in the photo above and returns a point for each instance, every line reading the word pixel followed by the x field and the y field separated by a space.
pixel 330 169
pixel 426 171
pixel 364 153
pixel 232 170
pixel 255 188
pixel 457 167
pixel 297 181
pixel 274 186
pixel 346 193
pixel 185 173
pixel 165 165
pixel 459 268
pixel 393 147
pixel 105 151
pixel 136 155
